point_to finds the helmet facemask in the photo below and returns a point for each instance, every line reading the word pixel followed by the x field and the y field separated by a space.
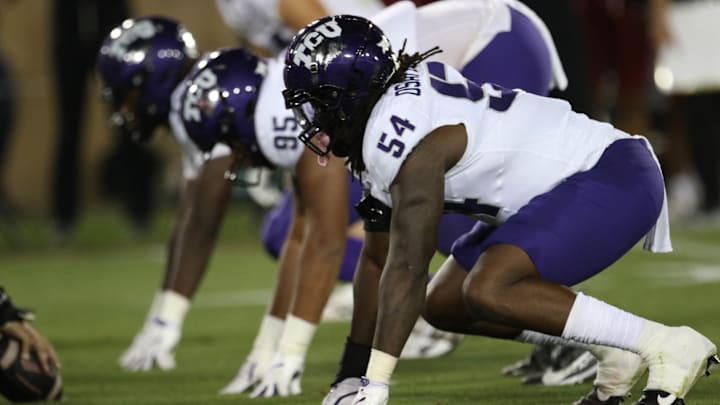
pixel 131 116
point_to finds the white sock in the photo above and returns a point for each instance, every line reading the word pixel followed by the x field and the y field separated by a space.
pixel 530 336
pixel 172 308
pixel 296 337
pixel 269 334
pixel 596 322
pixel 381 367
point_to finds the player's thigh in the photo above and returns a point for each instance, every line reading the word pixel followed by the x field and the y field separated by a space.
pixel 584 224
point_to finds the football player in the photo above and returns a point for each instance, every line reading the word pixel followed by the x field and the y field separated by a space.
pixel 235 99
pixel 268 26
pixel 226 102
pixel 265 28
pixel 141 63
pixel 559 196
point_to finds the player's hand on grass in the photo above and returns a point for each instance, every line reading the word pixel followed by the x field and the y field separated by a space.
pixel 255 366
pixel 152 347
pixel 32 341
pixel 282 378
pixel 372 393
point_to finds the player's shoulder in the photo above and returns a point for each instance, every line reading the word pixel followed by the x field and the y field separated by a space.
pixel 399 121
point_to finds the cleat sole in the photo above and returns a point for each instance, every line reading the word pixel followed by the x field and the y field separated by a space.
pixel 712 362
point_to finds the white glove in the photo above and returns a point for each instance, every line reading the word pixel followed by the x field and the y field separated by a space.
pixel 282 378
pixel 255 366
pixel 152 347
pixel 372 393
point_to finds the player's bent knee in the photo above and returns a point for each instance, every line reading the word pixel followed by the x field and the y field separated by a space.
pixel 444 306
pixel 435 312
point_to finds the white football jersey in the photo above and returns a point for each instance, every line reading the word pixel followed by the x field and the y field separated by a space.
pixel 259 21
pixel 519 145
pixel 275 127
pixel 461 28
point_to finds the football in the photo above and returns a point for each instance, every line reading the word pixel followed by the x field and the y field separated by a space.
pixel 23 380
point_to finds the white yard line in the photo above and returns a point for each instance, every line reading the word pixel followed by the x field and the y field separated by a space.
pixel 232 299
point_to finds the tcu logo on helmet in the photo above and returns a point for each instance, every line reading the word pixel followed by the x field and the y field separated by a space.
pixel 142 29
pixel 330 29
pixel 206 80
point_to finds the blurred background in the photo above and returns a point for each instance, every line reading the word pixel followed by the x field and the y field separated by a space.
pixel 85 217
pixel 36 144
pixel 26 44
pixel 59 159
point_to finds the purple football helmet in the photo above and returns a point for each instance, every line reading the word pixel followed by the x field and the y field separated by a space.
pixel 141 61
pixel 335 69
pixel 218 104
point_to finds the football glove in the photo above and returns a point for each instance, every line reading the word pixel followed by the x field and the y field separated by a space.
pixel 152 347
pixel 255 366
pixel 282 378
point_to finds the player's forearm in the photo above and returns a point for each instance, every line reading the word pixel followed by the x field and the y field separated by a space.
pixel 198 228
pixel 417 201
pixel 194 246
pixel 400 300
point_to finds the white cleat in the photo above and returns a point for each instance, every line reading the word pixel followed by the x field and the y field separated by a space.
pixel 677 357
pixel 339 307
pixel 618 370
pixel 427 342
pixel 343 393
pixel 152 347
pixel 578 371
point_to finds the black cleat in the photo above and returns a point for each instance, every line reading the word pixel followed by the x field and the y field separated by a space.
pixel 592 399
pixel 533 366
pixel 712 362
pixel 570 366
pixel 656 397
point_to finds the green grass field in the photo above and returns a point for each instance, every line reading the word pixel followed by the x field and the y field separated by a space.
pixel 92 295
